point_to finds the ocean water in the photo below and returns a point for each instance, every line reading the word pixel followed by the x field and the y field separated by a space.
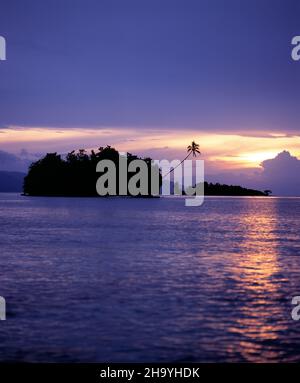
pixel 147 280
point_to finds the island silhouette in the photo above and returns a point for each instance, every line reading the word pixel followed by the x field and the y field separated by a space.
pixel 74 175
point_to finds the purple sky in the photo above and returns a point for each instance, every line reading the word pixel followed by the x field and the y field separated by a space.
pixel 150 75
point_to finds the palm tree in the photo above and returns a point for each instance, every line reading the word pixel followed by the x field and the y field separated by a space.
pixel 191 149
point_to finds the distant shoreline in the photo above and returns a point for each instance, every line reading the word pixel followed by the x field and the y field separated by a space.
pixel 157 197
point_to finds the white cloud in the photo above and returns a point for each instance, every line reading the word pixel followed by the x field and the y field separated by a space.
pixel 282 174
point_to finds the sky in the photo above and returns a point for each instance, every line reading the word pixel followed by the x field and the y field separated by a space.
pixel 150 76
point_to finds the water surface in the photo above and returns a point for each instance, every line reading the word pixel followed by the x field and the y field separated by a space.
pixel 116 279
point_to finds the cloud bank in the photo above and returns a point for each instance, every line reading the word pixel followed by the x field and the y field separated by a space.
pixel 14 163
pixel 282 174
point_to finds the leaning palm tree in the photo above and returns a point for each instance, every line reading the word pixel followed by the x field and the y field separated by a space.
pixel 191 149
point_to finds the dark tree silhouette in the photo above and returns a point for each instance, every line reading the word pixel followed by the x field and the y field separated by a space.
pixel 76 174
pixel 217 189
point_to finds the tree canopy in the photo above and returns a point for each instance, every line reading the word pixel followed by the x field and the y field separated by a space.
pixel 75 175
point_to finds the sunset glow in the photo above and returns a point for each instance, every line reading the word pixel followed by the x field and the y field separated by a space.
pixel 228 151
